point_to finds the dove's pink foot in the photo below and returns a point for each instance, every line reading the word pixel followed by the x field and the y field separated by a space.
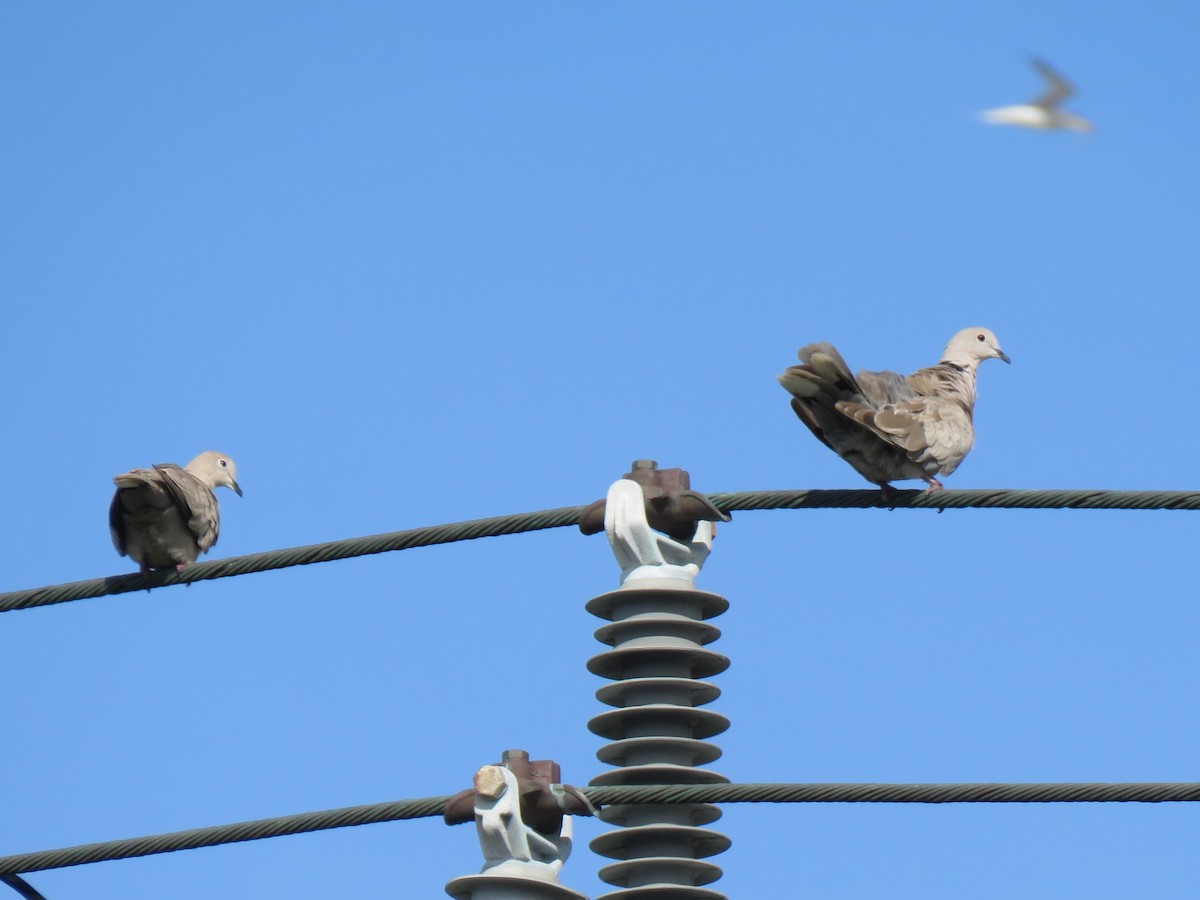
pixel 934 485
pixel 179 567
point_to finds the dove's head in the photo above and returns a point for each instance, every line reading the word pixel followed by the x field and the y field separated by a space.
pixel 216 470
pixel 971 346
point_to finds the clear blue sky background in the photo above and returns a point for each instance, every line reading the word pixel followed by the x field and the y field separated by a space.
pixel 416 263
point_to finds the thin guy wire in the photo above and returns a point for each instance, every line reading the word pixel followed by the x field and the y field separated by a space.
pixel 617 794
pixel 569 515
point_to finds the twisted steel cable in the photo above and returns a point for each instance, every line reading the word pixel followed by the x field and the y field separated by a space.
pixel 569 515
pixel 617 794
pixel 1069 792
pixel 22 887
pixel 978 498
pixel 293 556
pixel 221 834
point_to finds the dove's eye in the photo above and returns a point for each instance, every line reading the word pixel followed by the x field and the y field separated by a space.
pixel 222 463
pixel 978 336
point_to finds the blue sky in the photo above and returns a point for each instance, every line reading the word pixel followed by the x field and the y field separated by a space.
pixel 411 264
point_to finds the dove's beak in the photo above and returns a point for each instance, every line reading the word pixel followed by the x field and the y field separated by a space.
pixel 1000 354
pixel 237 489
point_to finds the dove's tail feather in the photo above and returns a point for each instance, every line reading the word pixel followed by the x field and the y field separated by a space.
pixel 827 365
pixel 816 386
pixel 799 382
pixel 831 403
pixel 824 378
pixel 805 414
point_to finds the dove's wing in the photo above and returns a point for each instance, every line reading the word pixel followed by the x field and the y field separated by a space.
pixel 882 388
pixel 195 503
pixel 116 524
pixel 934 428
pixel 933 433
pixel 139 502
pixel 1057 90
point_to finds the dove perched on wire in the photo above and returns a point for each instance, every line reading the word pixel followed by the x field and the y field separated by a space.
pixel 166 516
pixel 1044 112
pixel 889 426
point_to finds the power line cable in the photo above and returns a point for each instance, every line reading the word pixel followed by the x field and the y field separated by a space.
pixel 1063 792
pixel 22 887
pixel 1070 792
pixel 214 835
pixel 569 515
pixel 294 556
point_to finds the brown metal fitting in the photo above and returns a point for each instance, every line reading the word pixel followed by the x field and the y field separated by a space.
pixel 542 806
pixel 672 507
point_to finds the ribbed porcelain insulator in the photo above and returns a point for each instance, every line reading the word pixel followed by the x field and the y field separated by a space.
pixel 657 733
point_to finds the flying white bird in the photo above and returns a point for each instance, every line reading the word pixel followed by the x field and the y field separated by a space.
pixel 1043 112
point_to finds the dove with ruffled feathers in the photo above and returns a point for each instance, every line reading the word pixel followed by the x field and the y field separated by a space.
pixel 166 516
pixel 890 426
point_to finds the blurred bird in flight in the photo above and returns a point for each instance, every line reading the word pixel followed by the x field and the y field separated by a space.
pixel 1044 112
